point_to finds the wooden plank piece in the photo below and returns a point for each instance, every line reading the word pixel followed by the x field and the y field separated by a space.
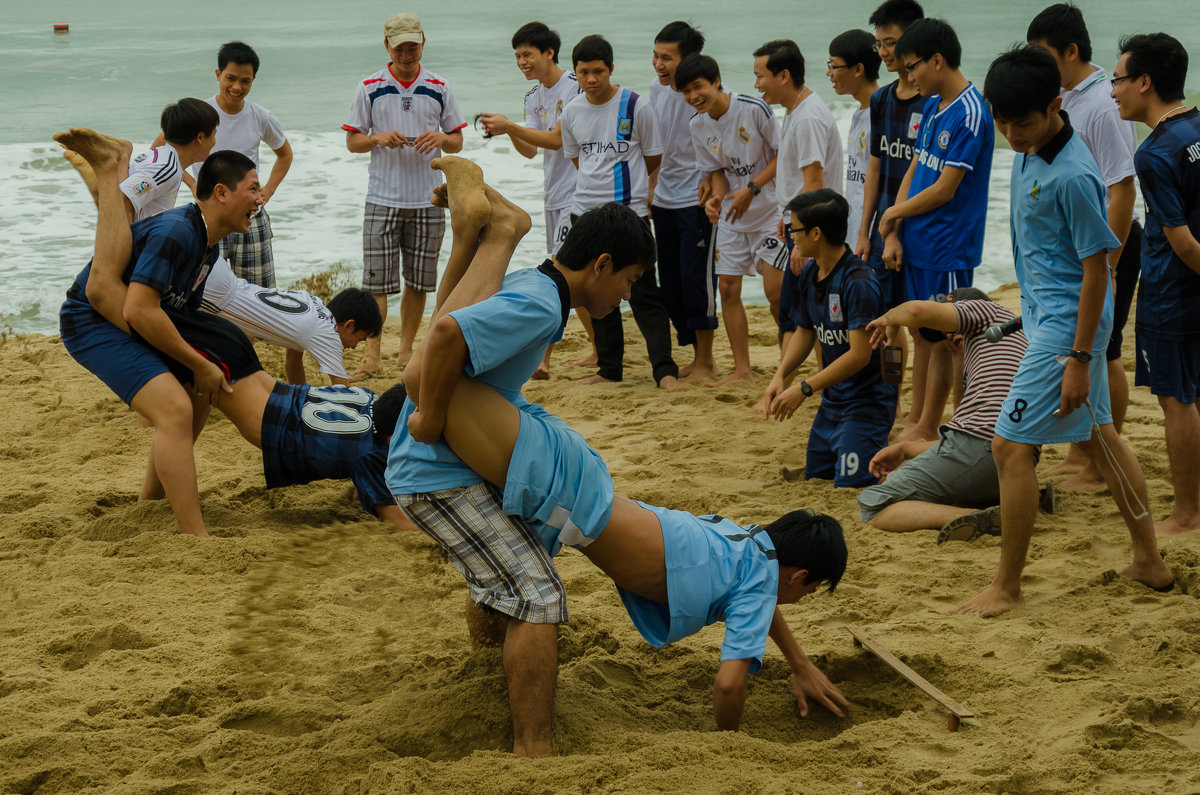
pixel 957 711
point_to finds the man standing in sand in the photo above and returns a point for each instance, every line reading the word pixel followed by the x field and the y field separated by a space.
pixel 405 116
pixel 501 342
pixel 1148 87
pixel 172 253
pixel 1061 241
pixel 676 573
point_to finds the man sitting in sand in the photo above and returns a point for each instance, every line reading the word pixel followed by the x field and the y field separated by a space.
pixel 675 572
pixel 167 258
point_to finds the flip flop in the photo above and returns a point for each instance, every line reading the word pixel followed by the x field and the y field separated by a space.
pixel 364 375
pixel 971 526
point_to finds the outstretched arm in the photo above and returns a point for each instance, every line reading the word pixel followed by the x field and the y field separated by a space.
pixel 807 680
pixel 729 693
pixel 913 314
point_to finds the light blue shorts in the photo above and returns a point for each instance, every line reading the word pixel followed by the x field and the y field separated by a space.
pixel 1036 392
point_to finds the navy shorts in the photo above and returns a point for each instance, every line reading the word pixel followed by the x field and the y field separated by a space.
pixel 123 363
pixel 1129 267
pixel 1171 368
pixel 891 283
pixel 923 284
pixel 841 449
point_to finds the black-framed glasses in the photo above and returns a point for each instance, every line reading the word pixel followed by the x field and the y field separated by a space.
pixel 886 44
pixel 1116 81
pixel 908 67
pixel 792 231
pixel 831 66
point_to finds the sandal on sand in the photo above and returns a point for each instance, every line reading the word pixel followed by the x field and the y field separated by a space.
pixel 971 526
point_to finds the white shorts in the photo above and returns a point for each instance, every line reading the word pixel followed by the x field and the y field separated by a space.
pixel 743 253
pixel 558 223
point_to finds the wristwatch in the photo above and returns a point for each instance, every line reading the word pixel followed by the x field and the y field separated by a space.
pixel 754 189
pixel 805 389
pixel 1083 356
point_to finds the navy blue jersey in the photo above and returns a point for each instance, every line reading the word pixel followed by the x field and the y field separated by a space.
pixel 894 126
pixel 313 433
pixel 170 254
pixel 1168 169
pixel 849 298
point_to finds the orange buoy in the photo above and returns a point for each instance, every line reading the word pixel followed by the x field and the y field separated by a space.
pixel 62 27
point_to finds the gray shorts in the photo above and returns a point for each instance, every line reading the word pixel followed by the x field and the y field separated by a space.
pixel 392 235
pixel 958 470
pixel 504 563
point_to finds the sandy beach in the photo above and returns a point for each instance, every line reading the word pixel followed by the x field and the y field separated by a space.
pixel 306 650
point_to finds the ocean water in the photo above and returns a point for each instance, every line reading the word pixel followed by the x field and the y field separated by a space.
pixel 124 60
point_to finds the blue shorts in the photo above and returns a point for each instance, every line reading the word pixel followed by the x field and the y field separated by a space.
pixel 841 450
pixel 556 482
pixel 1027 414
pixel 123 363
pixel 926 285
pixel 1171 368
pixel 891 283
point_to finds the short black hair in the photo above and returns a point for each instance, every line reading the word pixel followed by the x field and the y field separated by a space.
pixel 237 52
pixel 857 47
pixel 1060 26
pixel 386 410
pixel 825 209
pixel 697 66
pixel 182 121
pixel 611 229
pixel 896 12
pixel 680 33
pixel 538 35
pixel 1021 81
pixel 926 38
pixel 592 48
pixel 811 541
pixel 783 54
pixel 225 167
pixel 359 306
pixel 1162 58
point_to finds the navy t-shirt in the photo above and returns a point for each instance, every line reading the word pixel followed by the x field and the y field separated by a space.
pixel 849 298
pixel 894 126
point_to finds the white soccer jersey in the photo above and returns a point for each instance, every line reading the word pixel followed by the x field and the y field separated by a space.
pixel 741 143
pixel 543 107
pixel 401 177
pixel 678 177
pixel 611 142
pixel 153 181
pixel 858 153
pixel 243 131
pixel 1094 115
pixel 291 319
pixel 810 135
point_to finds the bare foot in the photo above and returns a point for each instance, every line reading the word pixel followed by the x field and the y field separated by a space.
pixel 86 172
pixel 505 212
pixel 913 433
pixel 542 373
pixel 1089 481
pixel 698 374
pixel 729 379
pixel 201 533
pixel 1155 574
pixel 991 601
pixel 686 370
pixel 368 369
pixel 403 358
pixel 440 197
pixel 1173 527
pixel 469 207
pixel 102 152
pixel 597 379
pixel 590 360
pixel 669 383
pixel 1067 466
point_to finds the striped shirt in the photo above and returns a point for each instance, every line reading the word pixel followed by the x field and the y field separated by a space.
pixel 988 367
pixel 678 183
pixel 401 177
pixel 741 143
pixel 543 108
pixel 611 142
pixel 153 181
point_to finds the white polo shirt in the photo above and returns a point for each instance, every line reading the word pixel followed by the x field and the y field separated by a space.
pixel 678 177
pixel 543 107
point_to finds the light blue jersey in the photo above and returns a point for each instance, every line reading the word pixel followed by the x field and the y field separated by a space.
pixel 506 337
pixel 716 571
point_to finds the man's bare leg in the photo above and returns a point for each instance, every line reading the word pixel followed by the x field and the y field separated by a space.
pixel 920 373
pixel 1128 486
pixel 109 161
pixel 1090 479
pixel 908 515
pixel 412 308
pixel 542 373
pixel 592 359
pixel 372 362
pixel 531 668
pixel 152 487
pixel 164 401
pixel 86 173
pixel 737 328
pixel 703 366
pixel 1183 440
pixel 469 213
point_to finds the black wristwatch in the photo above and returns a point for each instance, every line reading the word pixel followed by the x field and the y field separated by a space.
pixel 754 189
pixel 805 389
pixel 1083 356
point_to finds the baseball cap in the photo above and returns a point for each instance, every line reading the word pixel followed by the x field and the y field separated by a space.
pixel 961 294
pixel 401 28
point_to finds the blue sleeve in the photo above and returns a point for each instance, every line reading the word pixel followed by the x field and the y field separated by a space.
pixel 369 481
pixel 863 302
pixel 965 141
pixel 508 322
pixel 1157 177
pixel 1081 201
pixel 748 615
pixel 168 248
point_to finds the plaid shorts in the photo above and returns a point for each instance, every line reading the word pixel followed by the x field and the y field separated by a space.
pixel 389 232
pixel 505 565
pixel 249 255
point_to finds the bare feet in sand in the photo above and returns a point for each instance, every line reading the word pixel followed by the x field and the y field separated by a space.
pixel 991 601
pixel 912 433
pixel 669 383
pixel 1068 466
pixel 591 360
pixel 1172 526
pixel 698 374
pixel 1088 481
pixel 1153 574
pixel 731 378
pixel 597 379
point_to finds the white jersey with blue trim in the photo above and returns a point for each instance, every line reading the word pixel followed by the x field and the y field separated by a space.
pixel 543 108
pixel 153 181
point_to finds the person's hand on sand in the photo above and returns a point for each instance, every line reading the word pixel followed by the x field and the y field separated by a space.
pixel 425 428
pixel 887 460
pixel 809 682
pixel 209 381
pixel 773 390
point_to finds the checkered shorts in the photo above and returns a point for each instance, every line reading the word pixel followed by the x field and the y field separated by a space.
pixel 249 255
pixel 389 232
pixel 506 567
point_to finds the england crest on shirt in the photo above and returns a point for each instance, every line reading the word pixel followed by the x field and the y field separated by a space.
pixel 406 103
pixel 835 308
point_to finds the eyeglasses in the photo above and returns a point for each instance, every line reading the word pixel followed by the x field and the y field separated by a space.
pixel 792 231
pixel 1117 80
pixel 831 66
pixel 886 44
pixel 908 67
